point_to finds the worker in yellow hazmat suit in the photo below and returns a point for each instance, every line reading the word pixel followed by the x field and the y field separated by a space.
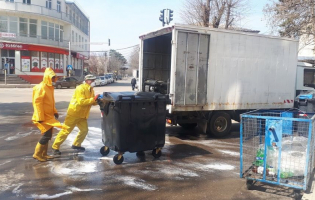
pixel 45 113
pixel 77 115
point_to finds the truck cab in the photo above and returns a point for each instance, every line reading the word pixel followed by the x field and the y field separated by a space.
pixel 305 78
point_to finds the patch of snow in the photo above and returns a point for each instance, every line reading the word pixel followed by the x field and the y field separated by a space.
pixel 75 189
pixel 17 189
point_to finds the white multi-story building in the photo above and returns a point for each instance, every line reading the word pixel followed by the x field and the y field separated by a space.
pixel 36 34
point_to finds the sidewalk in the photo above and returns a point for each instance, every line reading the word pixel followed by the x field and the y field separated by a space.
pixel 17 85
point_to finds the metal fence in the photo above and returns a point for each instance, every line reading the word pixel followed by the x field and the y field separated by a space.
pixel 277 147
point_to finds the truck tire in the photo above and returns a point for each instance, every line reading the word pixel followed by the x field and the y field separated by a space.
pixel 220 124
pixel 188 126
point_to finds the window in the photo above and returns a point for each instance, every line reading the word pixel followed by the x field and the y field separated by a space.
pixel 58 6
pixel 79 40
pixel 72 36
pixel 76 37
pixel 13 24
pixel 48 4
pixel 10 1
pixel 57 31
pixel 43 60
pixel 67 14
pixel 27 1
pixel 70 15
pixel 51 31
pixel 51 60
pixel 44 30
pixel 33 28
pixel 3 24
pixel 85 44
pixel 61 33
pixel 35 66
pixel 23 27
pixel 73 18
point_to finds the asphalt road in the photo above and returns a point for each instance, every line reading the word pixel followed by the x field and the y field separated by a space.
pixel 192 165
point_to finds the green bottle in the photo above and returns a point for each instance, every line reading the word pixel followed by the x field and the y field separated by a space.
pixel 259 157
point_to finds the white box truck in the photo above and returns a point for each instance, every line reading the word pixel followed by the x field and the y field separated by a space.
pixel 214 75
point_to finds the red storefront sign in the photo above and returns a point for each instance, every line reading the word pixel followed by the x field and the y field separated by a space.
pixel 30 47
pixel 80 56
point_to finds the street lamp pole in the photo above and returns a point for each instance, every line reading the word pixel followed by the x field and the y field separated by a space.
pixel 69 57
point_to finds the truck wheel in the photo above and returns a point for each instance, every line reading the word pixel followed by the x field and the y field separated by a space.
pixel 188 126
pixel 220 124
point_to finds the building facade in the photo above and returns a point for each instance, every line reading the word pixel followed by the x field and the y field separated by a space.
pixel 36 34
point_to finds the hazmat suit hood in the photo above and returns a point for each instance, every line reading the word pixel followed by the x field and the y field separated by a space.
pixel 49 73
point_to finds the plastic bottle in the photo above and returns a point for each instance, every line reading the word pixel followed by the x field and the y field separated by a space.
pixel 259 157
pixel 286 174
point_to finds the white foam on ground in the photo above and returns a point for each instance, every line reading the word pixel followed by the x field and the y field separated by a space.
pixel 46 196
pixel 17 191
pixel 177 171
pixel 5 162
pixel 75 189
pixel 137 183
pixel 232 153
pixel 73 167
pixel 9 180
pixel 220 166
pixel 21 135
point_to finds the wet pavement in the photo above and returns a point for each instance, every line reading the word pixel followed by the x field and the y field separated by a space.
pixel 192 165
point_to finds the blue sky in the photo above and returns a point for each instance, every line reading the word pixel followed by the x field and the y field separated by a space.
pixel 124 20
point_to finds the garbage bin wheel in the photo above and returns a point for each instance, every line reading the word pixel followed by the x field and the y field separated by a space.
pixel 158 154
pixel 116 161
pixel 249 184
pixel 104 151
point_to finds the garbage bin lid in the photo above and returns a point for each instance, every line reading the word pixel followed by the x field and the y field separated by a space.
pixel 116 96
pixel 306 96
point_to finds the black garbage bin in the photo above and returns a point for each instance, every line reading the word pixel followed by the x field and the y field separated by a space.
pixel 133 122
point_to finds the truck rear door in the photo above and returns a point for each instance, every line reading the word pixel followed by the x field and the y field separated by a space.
pixel 191 68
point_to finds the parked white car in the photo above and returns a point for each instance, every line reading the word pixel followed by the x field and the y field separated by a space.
pixel 109 77
pixel 97 82
pixel 103 80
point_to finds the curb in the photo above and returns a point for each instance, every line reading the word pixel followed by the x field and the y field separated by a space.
pixel 16 85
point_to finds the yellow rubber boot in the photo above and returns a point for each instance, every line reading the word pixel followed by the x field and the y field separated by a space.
pixel 38 155
pixel 45 152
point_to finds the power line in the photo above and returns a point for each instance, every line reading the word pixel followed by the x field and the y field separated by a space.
pixel 111 49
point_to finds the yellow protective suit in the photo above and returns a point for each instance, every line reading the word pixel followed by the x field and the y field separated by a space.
pixel 77 114
pixel 44 103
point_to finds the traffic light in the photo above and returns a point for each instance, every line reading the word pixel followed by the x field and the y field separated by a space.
pixel 162 17
pixel 171 15
pixel 108 42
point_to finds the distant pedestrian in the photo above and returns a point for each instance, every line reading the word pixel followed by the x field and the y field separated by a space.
pixel 77 115
pixel 45 113
pixel 133 83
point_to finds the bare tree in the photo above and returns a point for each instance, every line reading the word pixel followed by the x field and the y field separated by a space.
pixel 224 13
pixel 292 18
pixel 97 64
pixel 134 58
